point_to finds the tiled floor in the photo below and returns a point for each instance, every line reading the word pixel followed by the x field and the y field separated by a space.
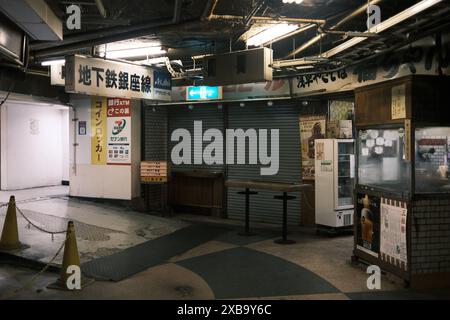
pixel 227 266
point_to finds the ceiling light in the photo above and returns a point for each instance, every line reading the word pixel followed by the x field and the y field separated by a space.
pixel 293 1
pixel 53 62
pixel 135 52
pixel 271 33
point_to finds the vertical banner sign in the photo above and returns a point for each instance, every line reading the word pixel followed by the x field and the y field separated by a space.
pixel 98 131
pixel 393 233
pixel 367 222
pixel 119 131
pixel 311 128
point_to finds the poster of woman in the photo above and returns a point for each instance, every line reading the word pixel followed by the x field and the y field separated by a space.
pixel 368 224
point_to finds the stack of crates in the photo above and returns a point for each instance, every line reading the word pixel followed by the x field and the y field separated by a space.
pixel 153 171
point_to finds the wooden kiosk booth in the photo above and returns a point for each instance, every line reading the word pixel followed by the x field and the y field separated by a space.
pixel 402 193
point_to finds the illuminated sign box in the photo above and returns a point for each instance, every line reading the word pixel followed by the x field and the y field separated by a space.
pixel 195 93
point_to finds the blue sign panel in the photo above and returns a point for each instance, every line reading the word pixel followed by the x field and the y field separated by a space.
pixel 203 93
pixel 162 80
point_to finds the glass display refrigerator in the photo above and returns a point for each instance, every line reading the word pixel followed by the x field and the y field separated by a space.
pixel 334 182
pixel 402 192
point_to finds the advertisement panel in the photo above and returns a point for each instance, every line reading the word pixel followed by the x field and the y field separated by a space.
pixel 311 128
pixel 119 131
pixel 367 222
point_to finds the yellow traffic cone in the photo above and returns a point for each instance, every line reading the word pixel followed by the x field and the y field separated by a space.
pixel 70 258
pixel 10 233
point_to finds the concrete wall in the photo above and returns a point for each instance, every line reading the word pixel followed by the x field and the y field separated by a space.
pixel 34 148
pixel 102 181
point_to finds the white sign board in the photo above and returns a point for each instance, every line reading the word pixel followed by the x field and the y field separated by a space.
pixel 393 247
pixel 119 131
pixel 99 77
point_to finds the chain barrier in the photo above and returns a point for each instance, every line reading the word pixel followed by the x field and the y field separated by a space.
pixel 38 227
pixel 35 277
pixel 47 265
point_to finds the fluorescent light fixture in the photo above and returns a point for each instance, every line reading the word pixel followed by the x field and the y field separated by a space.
pixel 271 33
pixel 293 1
pixel 52 62
pixel 135 52
pixel 130 48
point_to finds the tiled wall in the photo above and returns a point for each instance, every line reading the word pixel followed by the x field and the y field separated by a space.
pixel 430 236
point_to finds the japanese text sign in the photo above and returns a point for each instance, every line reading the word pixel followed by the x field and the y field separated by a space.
pixel 95 76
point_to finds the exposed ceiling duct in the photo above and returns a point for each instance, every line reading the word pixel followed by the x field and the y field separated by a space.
pixel 34 17
pixel 317 38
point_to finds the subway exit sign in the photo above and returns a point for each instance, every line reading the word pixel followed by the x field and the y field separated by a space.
pixel 195 93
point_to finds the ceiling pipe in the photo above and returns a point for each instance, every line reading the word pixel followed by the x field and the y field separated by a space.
pixel 378 54
pixel 155 28
pixel 100 33
pixel 177 11
pixel 101 8
pixel 209 10
pixel 317 38
pixel 268 19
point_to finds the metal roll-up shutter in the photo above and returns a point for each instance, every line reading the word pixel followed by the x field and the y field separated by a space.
pixel 181 117
pixel 263 207
pixel 155 133
pixel 155 147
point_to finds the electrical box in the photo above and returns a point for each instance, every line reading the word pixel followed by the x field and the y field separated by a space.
pixel 238 67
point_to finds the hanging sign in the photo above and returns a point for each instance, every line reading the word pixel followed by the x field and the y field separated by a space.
pixel 119 131
pixel 203 93
pixel 98 131
pixel 259 90
pixel 99 77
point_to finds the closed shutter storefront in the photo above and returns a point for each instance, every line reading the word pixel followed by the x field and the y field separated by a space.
pixel 181 117
pixel 155 147
pixel 263 207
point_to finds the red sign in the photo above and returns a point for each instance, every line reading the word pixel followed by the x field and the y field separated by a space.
pixel 119 107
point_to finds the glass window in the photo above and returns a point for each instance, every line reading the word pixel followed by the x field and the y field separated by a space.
pixel 381 160
pixel 346 173
pixel 432 158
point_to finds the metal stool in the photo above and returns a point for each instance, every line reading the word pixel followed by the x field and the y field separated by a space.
pixel 247 193
pixel 285 198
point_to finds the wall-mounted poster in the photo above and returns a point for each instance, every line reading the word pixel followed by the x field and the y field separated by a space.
pixel 393 233
pixel 367 222
pixel 119 131
pixel 311 128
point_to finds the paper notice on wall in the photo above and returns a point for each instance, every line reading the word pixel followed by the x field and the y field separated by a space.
pixel 398 102
pixel 98 131
pixel 393 247
pixel 119 131
pixel 311 128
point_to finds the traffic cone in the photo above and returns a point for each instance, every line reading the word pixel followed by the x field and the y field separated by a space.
pixel 70 258
pixel 10 233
